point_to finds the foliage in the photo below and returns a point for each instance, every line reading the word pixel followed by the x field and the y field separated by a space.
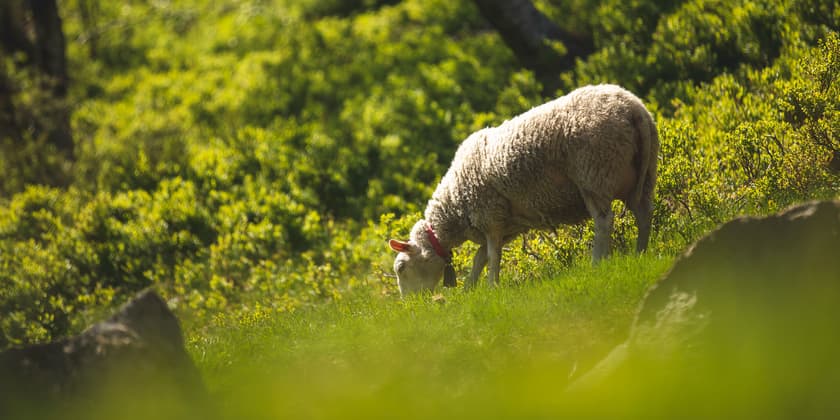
pixel 26 153
pixel 253 155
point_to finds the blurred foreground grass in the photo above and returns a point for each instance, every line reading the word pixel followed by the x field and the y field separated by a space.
pixel 503 352
pixel 508 352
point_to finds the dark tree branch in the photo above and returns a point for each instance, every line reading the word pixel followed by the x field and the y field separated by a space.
pixel 529 34
pixel 88 13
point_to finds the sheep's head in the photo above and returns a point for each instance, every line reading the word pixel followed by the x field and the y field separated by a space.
pixel 419 266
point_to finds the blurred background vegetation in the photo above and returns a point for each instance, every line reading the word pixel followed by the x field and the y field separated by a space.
pixel 253 155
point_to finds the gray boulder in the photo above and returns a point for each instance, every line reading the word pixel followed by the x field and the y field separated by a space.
pixel 747 321
pixel 136 355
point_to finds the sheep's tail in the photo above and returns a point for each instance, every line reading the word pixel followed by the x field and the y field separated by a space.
pixel 648 147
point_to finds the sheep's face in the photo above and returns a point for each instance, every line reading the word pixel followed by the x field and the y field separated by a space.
pixel 416 269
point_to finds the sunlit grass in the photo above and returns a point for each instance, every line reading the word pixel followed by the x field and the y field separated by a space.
pixel 506 351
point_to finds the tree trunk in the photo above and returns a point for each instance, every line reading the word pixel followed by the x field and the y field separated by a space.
pixel 529 34
pixel 50 43
pixel 53 62
pixel 12 31
pixel 33 28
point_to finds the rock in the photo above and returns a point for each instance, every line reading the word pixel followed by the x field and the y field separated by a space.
pixel 746 318
pixel 137 353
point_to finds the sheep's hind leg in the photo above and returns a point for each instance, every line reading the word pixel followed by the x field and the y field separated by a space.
pixel 643 213
pixel 601 212
pixel 479 261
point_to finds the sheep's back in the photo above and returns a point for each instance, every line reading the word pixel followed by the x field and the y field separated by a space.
pixel 541 160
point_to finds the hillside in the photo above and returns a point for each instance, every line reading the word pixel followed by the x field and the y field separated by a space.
pixel 249 159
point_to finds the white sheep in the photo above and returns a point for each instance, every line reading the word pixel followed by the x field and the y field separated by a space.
pixel 558 163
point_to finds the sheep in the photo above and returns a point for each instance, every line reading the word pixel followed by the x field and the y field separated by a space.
pixel 559 163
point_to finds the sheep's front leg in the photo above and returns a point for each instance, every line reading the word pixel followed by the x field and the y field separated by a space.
pixel 479 261
pixel 494 259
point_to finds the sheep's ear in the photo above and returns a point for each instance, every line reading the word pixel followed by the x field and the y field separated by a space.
pixel 399 246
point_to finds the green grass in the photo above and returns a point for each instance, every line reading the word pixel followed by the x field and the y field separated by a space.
pixel 504 352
